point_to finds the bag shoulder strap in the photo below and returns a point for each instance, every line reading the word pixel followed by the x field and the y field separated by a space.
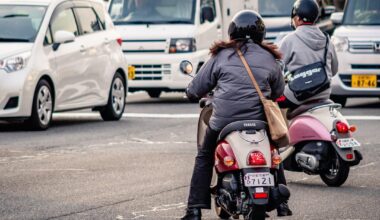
pixel 326 47
pixel 249 71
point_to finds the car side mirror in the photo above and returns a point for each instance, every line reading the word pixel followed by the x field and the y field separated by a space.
pixel 62 37
pixel 207 14
pixel 337 18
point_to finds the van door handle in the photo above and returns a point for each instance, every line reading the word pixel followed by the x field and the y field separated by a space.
pixel 82 49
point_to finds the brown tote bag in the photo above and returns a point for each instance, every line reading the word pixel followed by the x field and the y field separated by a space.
pixel 277 125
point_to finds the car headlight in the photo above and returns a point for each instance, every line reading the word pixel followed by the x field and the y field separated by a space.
pixel 340 43
pixel 182 45
pixel 15 63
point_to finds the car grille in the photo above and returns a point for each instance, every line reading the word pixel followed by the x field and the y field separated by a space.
pixel 144 46
pixel 151 72
pixel 364 47
pixel 346 79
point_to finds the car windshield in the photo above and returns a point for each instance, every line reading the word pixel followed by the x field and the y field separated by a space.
pixel 275 8
pixel 152 11
pixel 20 23
pixel 362 12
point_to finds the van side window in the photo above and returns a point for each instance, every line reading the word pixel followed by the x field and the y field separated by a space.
pixel 208 3
pixel 64 21
pixel 88 20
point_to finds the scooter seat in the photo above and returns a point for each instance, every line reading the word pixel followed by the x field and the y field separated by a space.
pixel 306 107
pixel 242 126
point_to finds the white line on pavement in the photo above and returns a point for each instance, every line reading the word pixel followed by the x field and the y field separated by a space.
pixel 179 116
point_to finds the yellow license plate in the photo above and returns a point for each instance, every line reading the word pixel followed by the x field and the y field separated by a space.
pixel 131 72
pixel 364 81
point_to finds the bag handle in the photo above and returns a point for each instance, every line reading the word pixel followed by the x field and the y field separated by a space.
pixel 254 82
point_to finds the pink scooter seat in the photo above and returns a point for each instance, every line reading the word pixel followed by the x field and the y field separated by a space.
pixel 306 107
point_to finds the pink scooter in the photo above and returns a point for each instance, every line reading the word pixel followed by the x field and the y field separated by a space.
pixel 321 143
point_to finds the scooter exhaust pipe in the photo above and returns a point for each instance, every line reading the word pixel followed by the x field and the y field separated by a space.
pixel 278 195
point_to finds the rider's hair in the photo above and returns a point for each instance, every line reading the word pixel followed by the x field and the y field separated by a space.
pixel 218 46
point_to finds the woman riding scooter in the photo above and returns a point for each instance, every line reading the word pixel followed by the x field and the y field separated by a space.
pixel 235 97
pixel 307 46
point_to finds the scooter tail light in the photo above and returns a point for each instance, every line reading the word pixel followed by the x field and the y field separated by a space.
pixel 120 41
pixel 228 161
pixel 342 127
pixel 256 158
pixel 262 195
pixel 353 128
pixel 276 158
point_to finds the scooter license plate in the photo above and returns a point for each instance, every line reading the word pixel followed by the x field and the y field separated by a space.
pixel 347 143
pixel 258 179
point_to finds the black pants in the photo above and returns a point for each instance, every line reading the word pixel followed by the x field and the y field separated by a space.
pixel 200 195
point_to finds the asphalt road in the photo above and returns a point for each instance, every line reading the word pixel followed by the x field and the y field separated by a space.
pixel 140 167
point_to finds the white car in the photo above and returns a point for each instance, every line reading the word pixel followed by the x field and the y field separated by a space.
pixel 357 42
pixel 59 55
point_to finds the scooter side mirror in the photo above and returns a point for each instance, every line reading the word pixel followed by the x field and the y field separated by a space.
pixel 186 67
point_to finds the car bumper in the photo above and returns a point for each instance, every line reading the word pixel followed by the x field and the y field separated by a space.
pixel 356 64
pixel 14 85
pixel 162 71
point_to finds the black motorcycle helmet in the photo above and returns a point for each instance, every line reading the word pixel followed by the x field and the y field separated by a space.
pixel 247 24
pixel 307 10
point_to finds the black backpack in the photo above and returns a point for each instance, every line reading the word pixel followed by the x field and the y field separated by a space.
pixel 311 79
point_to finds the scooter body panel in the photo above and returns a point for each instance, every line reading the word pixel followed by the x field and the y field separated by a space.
pixel 243 144
pixel 307 128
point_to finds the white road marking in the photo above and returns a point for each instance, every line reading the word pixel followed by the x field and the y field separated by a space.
pixel 96 115
pixel 162 208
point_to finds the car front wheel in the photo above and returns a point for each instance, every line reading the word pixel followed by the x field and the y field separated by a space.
pixel 114 109
pixel 42 108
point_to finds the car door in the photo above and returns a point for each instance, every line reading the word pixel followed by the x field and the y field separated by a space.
pixel 94 43
pixel 68 60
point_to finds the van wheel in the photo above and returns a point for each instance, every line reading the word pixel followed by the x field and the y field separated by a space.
pixel 114 109
pixel 42 107
pixel 339 99
pixel 154 93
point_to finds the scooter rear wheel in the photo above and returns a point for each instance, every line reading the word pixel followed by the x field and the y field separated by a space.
pixel 338 172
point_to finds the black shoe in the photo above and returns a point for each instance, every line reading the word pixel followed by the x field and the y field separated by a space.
pixel 192 214
pixel 283 210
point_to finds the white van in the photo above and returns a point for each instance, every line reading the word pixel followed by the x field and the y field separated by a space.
pixel 357 42
pixel 159 34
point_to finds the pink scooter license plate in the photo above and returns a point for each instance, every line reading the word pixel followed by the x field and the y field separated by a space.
pixel 347 143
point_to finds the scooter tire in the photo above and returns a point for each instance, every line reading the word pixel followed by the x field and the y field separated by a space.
pixel 340 177
pixel 259 213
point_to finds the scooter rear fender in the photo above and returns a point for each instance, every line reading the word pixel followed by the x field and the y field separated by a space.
pixel 307 128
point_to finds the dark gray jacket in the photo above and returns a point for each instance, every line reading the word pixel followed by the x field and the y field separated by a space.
pixel 235 98
pixel 305 46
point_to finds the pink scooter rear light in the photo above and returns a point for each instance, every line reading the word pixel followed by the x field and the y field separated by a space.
pixel 342 127
pixel 256 158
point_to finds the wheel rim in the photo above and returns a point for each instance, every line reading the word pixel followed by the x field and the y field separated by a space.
pixel 118 96
pixel 44 105
pixel 334 168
